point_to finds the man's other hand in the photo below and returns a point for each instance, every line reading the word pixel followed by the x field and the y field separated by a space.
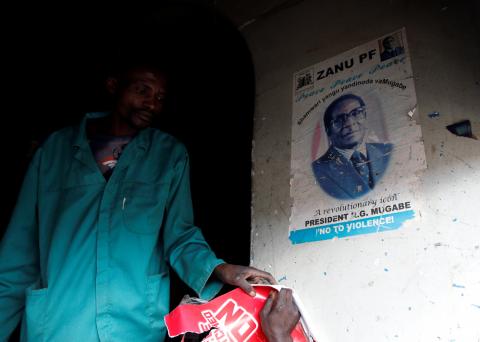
pixel 279 316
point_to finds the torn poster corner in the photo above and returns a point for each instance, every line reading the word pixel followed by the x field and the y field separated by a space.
pixel 411 112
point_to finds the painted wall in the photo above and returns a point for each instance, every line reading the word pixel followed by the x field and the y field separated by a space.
pixel 421 282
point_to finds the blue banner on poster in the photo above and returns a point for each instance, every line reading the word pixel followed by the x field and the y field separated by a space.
pixel 351 228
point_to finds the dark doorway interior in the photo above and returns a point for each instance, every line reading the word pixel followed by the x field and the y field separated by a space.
pixel 54 65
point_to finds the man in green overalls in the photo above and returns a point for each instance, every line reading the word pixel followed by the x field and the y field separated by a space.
pixel 105 207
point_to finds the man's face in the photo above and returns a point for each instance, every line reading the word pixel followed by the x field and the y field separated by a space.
pixel 348 125
pixel 140 97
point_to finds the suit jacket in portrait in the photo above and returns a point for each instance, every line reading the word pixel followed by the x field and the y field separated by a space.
pixel 337 176
pixel 387 54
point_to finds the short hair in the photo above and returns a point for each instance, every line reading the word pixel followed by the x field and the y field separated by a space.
pixel 327 117
pixel 122 69
pixel 120 66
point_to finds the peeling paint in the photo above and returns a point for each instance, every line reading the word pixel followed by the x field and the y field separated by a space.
pixel 462 129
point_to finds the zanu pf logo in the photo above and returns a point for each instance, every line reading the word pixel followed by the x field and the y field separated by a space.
pixel 232 322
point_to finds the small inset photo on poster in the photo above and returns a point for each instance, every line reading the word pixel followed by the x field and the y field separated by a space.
pixel 391 46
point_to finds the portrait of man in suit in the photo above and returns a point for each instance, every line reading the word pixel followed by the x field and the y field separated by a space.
pixel 391 48
pixel 352 166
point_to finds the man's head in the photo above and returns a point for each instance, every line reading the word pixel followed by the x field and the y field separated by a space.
pixel 345 121
pixel 389 43
pixel 139 93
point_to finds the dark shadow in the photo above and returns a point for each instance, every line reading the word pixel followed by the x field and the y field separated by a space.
pixel 54 74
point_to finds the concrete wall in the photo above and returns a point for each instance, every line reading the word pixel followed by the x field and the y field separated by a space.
pixel 431 291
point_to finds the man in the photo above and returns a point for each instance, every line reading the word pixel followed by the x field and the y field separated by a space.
pixel 105 207
pixel 391 48
pixel 351 167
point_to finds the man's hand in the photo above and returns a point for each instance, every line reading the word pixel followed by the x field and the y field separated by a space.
pixel 242 276
pixel 279 316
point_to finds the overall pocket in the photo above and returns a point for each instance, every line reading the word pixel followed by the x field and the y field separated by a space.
pixel 143 206
pixel 33 326
pixel 158 295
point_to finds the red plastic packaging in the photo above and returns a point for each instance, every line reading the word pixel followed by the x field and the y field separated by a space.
pixel 233 316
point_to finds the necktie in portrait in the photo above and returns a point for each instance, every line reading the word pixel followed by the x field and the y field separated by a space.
pixel 361 165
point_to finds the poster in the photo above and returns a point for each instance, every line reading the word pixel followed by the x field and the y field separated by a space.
pixel 356 147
